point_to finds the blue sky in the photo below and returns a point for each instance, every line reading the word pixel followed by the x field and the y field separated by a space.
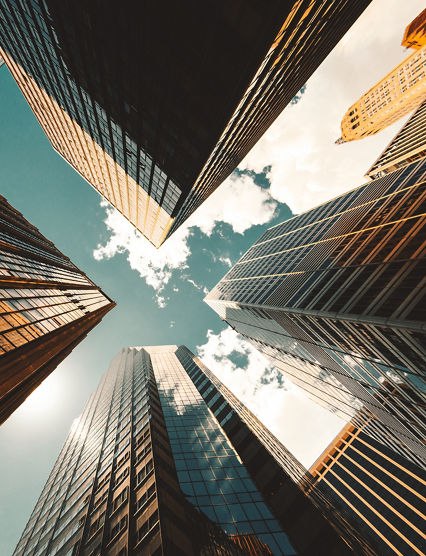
pixel 159 294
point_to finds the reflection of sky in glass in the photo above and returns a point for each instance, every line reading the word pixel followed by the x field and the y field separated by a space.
pixel 209 471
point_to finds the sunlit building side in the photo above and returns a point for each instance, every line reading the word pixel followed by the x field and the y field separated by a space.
pixel 149 102
pixel 334 297
pixel 382 492
pixel 408 145
pixel 47 306
pixel 400 92
pixel 415 33
pixel 161 463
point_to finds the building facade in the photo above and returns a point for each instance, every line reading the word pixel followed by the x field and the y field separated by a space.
pixel 383 492
pixel 47 306
pixel 408 145
pixel 415 33
pixel 156 147
pixel 148 468
pixel 402 90
pixel 333 297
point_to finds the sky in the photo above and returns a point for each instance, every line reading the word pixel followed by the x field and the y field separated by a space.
pixel 159 293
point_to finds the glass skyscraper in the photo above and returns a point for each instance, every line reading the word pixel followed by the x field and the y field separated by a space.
pixel 47 306
pixel 156 103
pixel 408 145
pixel 334 297
pixel 160 463
pixel 383 492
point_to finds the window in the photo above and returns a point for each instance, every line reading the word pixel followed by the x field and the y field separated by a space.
pixel 121 477
pixel 144 473
pixel 97 524
pixel 149 526
pixel 118 527
pixel 120 499
pixel 146 498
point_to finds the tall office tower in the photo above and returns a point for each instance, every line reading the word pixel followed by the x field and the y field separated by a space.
pixel 402 90
pixel 407 146
pixel 333 297
pixel 383 492
pixel 415 33
pixel 149 469
pixel 47 306
pixel 156 103
pixel 276 472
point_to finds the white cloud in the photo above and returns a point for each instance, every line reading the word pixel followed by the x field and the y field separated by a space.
pixel 238 202
pixel 279 404
pixel 226 260
pixel 307 168
pixel 156 266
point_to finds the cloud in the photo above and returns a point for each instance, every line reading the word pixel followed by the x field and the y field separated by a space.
pixel 277 402
pixel 238 202
pixel 226 261
pixel 156 266
pixel 305 167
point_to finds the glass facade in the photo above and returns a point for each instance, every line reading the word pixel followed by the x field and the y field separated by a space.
pixel 380 491
pixel 47 306
pixel 334 298
pixel 407 146
pixel 157 147
pixel 146 469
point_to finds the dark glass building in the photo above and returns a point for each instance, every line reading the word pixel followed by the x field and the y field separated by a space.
pixel 149 468
pixel 334 297
pixel 156 103
pixel 408 145
pixel 47 306
pixel 382 492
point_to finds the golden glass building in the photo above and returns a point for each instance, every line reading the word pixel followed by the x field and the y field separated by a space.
pixel 402 90
pixel 408 145
pixel 334 297
pixel 382 493
pixel 47 307
pixel 160 463
pixel 156 103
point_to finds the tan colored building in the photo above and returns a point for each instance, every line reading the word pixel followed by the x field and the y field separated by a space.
pixel 402 90
pixel 415 33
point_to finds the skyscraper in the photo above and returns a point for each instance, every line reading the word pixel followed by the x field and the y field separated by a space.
pixel 408 145
pixel 156 103
pixel 47 306
pixel 402 90
pixel 148 468
pixel 333 297
pixel 383 492
pixel 415 33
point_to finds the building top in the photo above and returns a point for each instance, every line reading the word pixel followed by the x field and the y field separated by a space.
pixel 415 33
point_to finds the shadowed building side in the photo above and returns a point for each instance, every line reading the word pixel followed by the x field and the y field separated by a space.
pixel 47 306
pixel 381 492
pixel 156 103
